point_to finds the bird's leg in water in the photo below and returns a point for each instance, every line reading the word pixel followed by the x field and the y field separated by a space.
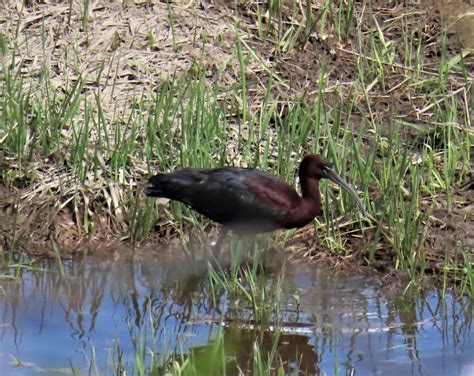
pixel 214 252
pixel 220 239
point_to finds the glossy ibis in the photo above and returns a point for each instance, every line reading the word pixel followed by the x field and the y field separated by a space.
pixel 247 200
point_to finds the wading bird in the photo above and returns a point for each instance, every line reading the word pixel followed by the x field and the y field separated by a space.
pixel 250 201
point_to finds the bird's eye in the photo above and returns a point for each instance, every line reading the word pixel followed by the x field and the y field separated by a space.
pixel 327 166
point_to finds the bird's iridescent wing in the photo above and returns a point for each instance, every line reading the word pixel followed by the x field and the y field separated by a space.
pixel 272 192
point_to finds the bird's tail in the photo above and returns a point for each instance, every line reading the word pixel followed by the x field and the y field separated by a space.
pixel 181 185
pixel 174 186
pixel 155 189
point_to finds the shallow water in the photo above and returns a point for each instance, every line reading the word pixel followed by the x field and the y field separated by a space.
pixel 342 322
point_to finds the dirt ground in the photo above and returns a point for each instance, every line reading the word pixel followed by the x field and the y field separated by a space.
pixel 132 46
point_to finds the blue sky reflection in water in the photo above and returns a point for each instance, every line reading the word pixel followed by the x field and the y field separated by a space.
pixel 346 320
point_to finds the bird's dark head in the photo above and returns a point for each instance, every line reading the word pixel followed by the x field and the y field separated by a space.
pixel 315 166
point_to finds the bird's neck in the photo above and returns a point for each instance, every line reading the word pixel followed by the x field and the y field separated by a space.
pixel 310 194
pixel 310 204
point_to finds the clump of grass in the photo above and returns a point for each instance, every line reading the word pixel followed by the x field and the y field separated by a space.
pixel 248 287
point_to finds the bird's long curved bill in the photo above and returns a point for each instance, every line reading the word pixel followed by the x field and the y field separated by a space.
pixel 334 177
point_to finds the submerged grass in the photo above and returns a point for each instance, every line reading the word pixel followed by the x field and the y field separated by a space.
pixel 242 291
pixel 64 149
pixel 214 358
